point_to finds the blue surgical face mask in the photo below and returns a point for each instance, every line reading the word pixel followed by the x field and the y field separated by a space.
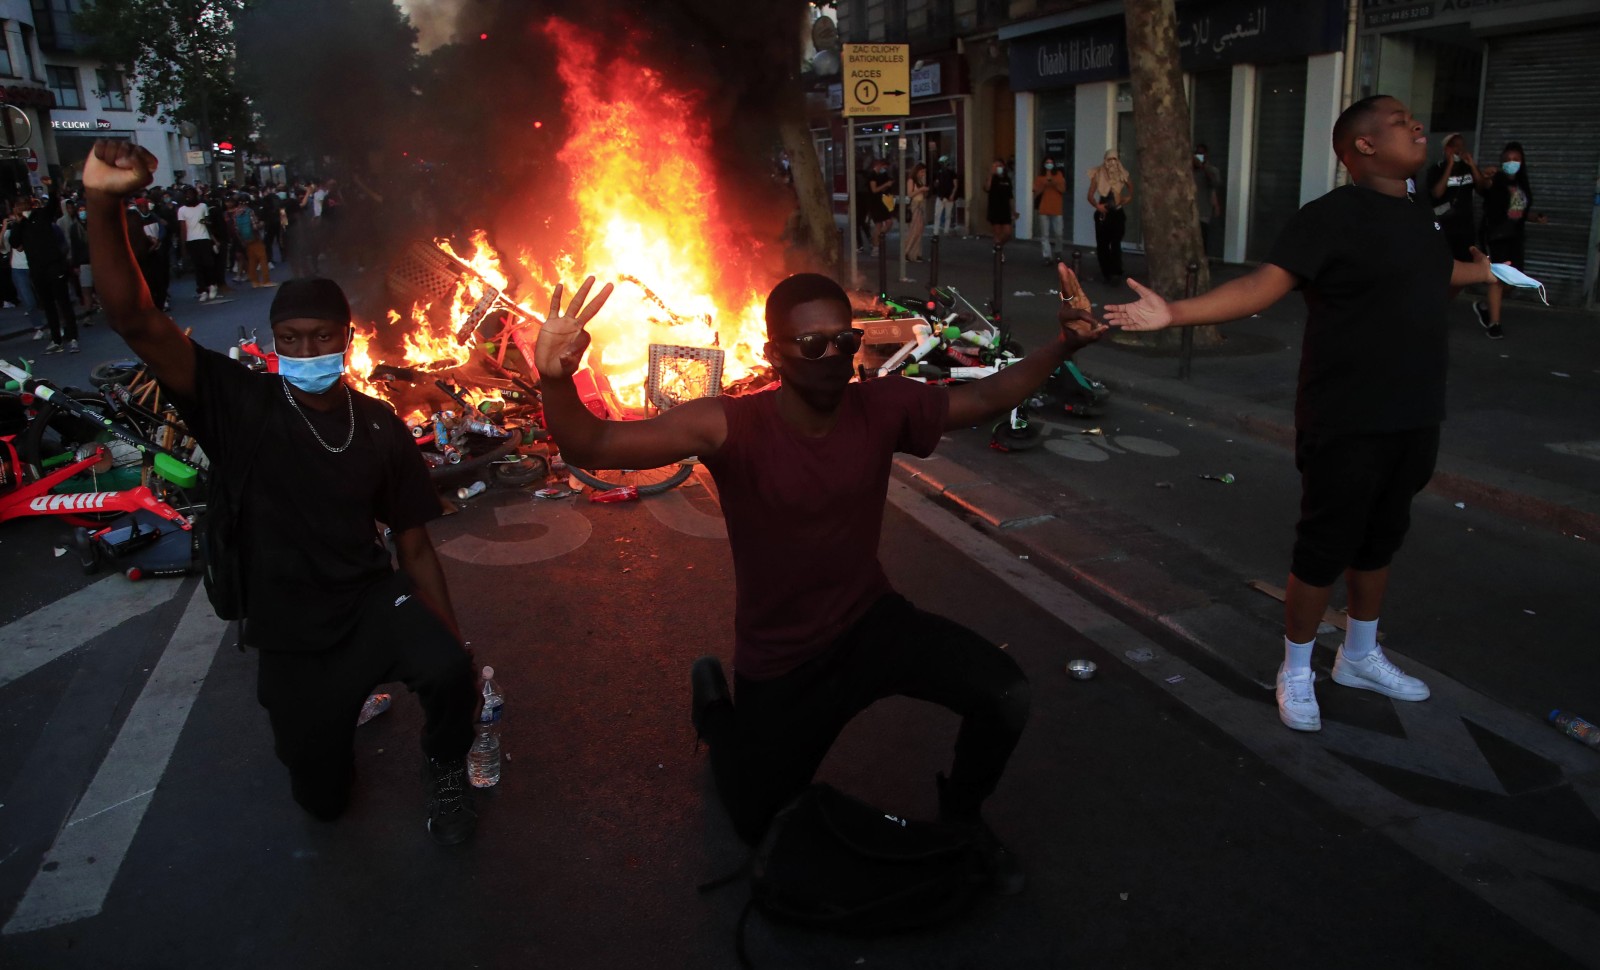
pixel 1049 166
pixel 312 374
pixel 83 215
pixel 1512 168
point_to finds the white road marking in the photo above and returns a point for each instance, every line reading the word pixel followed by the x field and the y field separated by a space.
pixel 77 872
pixel 51 631
pixel 566 529
pixel 1498 864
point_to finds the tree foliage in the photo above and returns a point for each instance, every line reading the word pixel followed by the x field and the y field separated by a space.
pixel 181 55
pixel 330 78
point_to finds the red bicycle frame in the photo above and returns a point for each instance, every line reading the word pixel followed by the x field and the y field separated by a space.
pixel 34 498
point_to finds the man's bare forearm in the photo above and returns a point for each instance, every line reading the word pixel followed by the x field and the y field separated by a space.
pixel 576 429
pixel 1248 294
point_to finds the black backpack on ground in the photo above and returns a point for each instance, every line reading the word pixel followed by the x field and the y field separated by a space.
pixel 834 862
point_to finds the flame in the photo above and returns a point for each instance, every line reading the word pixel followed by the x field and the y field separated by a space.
pixel 643 186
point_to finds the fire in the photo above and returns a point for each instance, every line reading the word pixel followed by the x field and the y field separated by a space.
pixel 650 222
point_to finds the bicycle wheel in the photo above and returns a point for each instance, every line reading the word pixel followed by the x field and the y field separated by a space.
pixel 1006 438
pixel 649 481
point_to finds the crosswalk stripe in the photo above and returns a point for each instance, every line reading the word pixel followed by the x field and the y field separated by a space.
pixel 50 631
pixel 77 872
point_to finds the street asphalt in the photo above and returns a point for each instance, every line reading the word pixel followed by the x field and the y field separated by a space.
pixel 1163 815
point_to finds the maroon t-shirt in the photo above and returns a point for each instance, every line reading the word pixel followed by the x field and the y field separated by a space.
pixel 804 514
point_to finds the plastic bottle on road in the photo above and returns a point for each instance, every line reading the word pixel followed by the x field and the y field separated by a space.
pixel 483 759
pixel 1576 727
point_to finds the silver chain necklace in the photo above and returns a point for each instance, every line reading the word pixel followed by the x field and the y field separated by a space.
pixel 349 401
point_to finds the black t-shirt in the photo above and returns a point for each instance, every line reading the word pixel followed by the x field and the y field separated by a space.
pixel 944 184
pixel 311 546
pixel 1453 209
pixel 1505 206
pixel 1375 272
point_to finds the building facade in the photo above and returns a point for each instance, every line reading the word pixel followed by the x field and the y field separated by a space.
pixel 1266 79
pixel 70 99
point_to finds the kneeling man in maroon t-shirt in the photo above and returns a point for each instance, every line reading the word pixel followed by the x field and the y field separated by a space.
pixel 802 470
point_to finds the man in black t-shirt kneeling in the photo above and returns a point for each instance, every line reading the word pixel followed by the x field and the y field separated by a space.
pixel 321 465
pixel 1378 276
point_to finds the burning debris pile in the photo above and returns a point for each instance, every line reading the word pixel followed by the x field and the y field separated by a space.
pixel 454 356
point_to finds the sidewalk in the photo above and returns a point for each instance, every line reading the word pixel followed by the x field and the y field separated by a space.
pixel 1520 437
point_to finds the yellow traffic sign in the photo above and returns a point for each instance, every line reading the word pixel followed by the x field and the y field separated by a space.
pixel 877 79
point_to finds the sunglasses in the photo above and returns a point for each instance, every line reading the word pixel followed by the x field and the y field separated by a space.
pixel 814 345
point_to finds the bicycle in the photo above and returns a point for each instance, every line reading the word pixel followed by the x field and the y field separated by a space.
pixel 39 481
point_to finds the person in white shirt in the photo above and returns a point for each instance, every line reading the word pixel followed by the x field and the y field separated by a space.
pixel 199 245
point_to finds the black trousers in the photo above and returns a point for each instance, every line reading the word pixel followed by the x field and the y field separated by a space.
pixel 156 269
pixel 313 699
pixel 1108 232
pixel 50 286
pixel 766 748
pixel 207 271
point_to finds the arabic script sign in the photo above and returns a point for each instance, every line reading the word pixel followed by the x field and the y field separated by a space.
pixel 1210 34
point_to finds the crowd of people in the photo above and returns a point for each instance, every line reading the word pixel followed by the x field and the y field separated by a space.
pixel 218 235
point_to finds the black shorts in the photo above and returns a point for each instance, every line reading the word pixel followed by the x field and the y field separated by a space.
pixel 1505 250
pixel 1355 498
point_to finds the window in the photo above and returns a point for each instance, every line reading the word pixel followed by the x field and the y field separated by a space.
pixel 64 82
pixel 27 52
pixel 5 49
pixel 113 89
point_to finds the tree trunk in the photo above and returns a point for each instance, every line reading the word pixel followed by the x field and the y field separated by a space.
pixel 1166 193
pixel 814 197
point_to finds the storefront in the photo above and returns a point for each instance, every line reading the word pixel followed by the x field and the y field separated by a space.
pixel 935 128
pixel 1514 70
pixel 1264 85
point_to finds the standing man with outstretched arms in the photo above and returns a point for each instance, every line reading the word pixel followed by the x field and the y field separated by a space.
pixel 1378 277
pixel 802 469
pixel 312 466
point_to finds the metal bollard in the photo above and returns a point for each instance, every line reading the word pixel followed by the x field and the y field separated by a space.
pixel 933 263
pixel 1077 264
pixel 844 256
pixel 999 282
pixel 1191 282
pixel 883 266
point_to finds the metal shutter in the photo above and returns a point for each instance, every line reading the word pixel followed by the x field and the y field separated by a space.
pixel 1542 91
pixel 1280 134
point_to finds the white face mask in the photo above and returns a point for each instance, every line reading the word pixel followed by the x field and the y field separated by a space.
pixel 1199 157
pixel 1049 166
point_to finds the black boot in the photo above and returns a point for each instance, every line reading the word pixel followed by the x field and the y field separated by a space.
pixel 1005 872
pixel 451 817
pixel 708 686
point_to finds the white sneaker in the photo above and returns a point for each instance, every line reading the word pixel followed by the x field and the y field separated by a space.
pixel 213 292
pixel 203 297
pixel 37 335
pixel 1376 672
pixel 1297 701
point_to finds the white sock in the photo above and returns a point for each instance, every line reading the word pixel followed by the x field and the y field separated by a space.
pixel 1297 656
pixel 1360 638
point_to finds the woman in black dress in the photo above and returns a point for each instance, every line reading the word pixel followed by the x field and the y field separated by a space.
pixel 1110 189
pixel 1002 198
pixel 1507 210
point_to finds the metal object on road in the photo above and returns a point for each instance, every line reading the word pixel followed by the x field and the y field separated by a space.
pixel 1191 283
pixel 553 492
pixel 1077 263
pixel 679 374
pixel 999 272
pixel 933 262
pixel 1082 669
pixel 472 491
pixel 1225 478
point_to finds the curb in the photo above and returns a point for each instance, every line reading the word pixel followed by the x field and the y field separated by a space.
pixel 1533 500
pixel 1106 571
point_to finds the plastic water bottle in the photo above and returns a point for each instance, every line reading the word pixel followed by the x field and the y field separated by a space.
pixel 1575 727
pixel 483 760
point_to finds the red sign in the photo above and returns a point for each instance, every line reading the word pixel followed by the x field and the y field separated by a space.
pixel 33 160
